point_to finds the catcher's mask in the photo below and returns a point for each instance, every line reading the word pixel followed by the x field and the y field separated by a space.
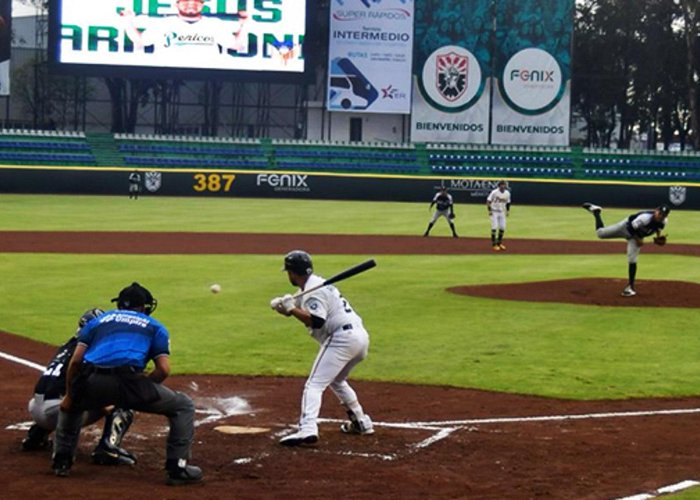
pixel 134 296
pixel 298 262
pixel 88 316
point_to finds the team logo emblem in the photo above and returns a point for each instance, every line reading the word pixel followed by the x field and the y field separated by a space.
pixel 452 72
pixel 676 194
pixel 153 181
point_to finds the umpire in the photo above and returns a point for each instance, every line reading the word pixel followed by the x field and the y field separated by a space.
pixel 107 369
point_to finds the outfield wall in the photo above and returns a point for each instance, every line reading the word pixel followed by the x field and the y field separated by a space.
pixel 308 185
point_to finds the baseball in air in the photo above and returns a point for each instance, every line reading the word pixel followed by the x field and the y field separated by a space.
pixel 215 288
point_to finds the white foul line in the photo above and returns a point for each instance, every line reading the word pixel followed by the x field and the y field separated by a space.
pixel 550 418
pixel 21 361
pixel 435 437
pixel 673 488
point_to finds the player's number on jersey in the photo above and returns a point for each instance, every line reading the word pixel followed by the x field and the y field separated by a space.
pixel 54 371
pixel 213 183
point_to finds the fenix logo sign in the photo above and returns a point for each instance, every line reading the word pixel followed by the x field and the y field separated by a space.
pixel 284 182
pixel 532 81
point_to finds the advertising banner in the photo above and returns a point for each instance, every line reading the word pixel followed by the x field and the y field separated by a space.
pixel 370 55
pixel 532 95
pixel 5 38
pixel 210 35
pixel 452 71
pixel 317 186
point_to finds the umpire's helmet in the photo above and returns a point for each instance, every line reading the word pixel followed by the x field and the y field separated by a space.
pixel 88 316
pixel 135 295
pixel 298 262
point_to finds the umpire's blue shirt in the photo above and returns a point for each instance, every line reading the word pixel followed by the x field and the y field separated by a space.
pixel 124 338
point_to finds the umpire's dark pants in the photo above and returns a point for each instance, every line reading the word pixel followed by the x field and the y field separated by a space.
pixel 97 390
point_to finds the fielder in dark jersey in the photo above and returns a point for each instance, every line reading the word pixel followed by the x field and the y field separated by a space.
pixel 634 229
pixel 444 207
pixel 48 393
pixel 107 369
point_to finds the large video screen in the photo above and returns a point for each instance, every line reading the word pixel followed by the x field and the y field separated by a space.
pixel 178 38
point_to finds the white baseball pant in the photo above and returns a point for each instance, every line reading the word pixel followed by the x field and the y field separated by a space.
pixel 620 230
pixel 338 355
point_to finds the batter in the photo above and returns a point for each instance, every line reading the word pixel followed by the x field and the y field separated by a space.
pixel 344 342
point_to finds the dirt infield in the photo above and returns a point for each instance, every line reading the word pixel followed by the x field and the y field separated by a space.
pixel 431 442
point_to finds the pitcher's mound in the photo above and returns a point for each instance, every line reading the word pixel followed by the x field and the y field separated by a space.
pixel 592 291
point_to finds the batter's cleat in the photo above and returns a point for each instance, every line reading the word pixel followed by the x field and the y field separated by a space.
pixel 299 439
pixel 37 439
pixel 592 208
pixel 181 474
pixel 363 426
pixel 61 465
pixel 105 454
pixel 496 248
pixel 628 292
pixel 501 246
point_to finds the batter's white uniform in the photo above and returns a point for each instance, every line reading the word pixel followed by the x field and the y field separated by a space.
pixel 498 202
pixel 344 343
pixel 177 41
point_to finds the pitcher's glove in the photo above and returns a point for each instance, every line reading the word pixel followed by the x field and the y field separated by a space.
pixel 660 240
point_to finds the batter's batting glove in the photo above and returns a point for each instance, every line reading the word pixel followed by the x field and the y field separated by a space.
pixel 288 304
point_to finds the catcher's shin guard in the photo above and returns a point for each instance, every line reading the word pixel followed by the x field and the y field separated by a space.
pixel 108 451
pixel 116 425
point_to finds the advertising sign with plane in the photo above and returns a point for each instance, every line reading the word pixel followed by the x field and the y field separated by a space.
pixel 370 56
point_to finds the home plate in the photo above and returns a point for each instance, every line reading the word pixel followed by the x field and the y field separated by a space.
pixel 240 429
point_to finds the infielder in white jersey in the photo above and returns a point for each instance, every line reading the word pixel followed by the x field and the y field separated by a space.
pixel 498 205
pixel 333 323
pixel 634 229
pixel 188 35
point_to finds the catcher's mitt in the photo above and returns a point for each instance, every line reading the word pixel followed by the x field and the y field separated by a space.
pixel 660 240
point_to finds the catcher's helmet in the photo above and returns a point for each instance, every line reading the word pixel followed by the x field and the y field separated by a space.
pixel 135 295
pixel 298 262
pixel 88 316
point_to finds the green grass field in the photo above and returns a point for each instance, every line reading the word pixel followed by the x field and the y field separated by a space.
pixel 420 333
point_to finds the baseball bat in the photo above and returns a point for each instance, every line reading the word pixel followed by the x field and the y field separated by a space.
pixel 348 273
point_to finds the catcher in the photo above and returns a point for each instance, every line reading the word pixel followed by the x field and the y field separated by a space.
pixel 634 229
pixel 444 208
pixel 48 393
